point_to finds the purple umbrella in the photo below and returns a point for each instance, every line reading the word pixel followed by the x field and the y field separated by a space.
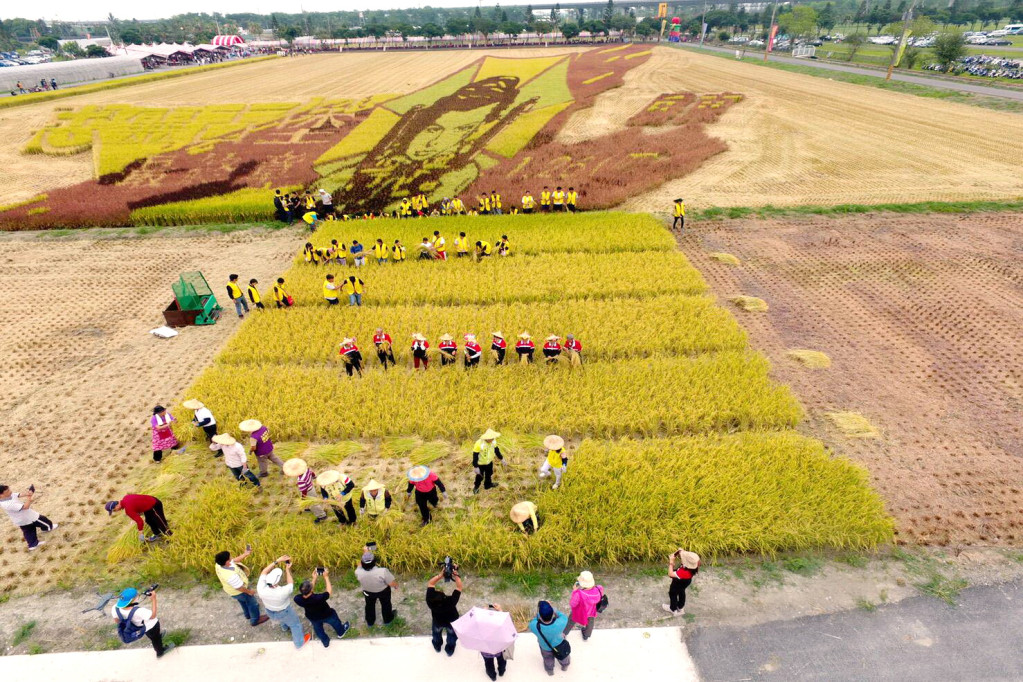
pixel 486 631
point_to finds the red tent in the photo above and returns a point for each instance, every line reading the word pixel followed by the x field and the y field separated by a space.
pixel 227 41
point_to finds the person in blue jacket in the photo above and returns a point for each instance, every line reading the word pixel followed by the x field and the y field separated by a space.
pixel 549 626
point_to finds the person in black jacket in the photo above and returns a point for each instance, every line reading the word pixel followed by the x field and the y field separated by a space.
pixel 444 609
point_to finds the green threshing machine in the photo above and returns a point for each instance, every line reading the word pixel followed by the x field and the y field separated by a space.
pixel 194 302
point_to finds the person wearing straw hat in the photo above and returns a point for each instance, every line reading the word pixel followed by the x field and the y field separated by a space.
pixel 448 350
pixel 276 598
pixel 549 627
pixel 498 347
pixel 337 488
pixel 202 418
pixel 525 348
pixel 681 578
pixel 262 446
pixel 483 454
pixel 351 356
pixel 420 348
pixel 473 351
pixel 426 483
pixel 127 609
pixel 526 515
pixel 235 457
pixel 552 348
pixel 573 350
pixel 382 342
pixel 375 499
pixel 584 604
pixel 556 460
pixel 305 478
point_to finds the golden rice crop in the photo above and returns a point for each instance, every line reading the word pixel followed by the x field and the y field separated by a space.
pixel 666 325
pixel 653 396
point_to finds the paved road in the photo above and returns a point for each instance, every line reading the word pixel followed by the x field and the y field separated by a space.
pixel 988 90
pixel 917 639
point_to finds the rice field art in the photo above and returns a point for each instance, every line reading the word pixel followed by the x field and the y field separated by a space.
pixel 491 125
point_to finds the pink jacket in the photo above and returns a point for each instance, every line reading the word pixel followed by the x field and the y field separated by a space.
pixel 584 604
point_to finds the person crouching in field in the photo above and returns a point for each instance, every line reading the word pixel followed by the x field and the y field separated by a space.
pixel 498 346
pixel 473 351
pixel 351 357
pixel 337 488
pixel 137 507
pixel 202 417
pixel 305 479
pixel 552 349
pixel 556 461
pixel 573 350
pixel 382 342
pixel 525 348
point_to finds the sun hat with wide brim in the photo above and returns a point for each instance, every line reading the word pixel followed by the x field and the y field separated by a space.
pixel 328 478
pixel 224 439
pixel 585 580
pixel 497 334
pixel 490 434
pixel 192 404
pixel 418 337
pixel 525 335
pixel 295 467
pixel 250 425
pixel 553 442
pixel 418 473
pixel 346 341
pixel 553 337
pixel 690 560
pixel 446 337
pixel 519 512
pixel 373 485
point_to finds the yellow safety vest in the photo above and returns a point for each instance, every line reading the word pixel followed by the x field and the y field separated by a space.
pixel 559 197
pixel 680 209
pixel 225 573
pixel 461 245
pixel 336 490
pixel 528 202
pixel 495 200
pixel 572 196
pixel 545 198
pixel 254 294
pixel 279 293
pixel 485 248
pixel 398 252
pixel 380 251
pixel 457 205
pixel 485 451
pixel 439 245
pixel 236 292
pixel 329 293
pixel 375 506
pixel 350 287
pixel 554 458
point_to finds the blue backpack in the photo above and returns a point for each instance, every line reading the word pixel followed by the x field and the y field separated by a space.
pixel 127 630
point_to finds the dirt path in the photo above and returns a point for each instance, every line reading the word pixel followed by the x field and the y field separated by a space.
pixel 921 317
pixel 80 373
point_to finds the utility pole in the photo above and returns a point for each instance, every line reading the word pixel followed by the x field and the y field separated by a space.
pixel 907 19
pixel 703 25
pixel 770 31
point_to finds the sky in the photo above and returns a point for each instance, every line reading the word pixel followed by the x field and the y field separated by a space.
pixel 75 10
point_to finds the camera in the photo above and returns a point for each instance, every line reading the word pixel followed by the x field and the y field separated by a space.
pixel 450 568
pixel 371 546
pixel 149 590
pixel 32 488
pixel 320 570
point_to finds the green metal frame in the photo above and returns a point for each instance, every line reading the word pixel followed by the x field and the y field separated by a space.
pixel 192 292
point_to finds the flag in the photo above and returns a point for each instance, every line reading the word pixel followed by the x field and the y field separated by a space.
pixel 770 38
pixel 902 47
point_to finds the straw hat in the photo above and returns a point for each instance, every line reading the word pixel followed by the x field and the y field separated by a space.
pixel 497 334
pixel 328 477
pixel 418 337
pixel 585 580
pixel 373 485
pixel 490 434
pixel 520 512
pixel 250 425
pixel 446 337
pixel 418 473
pixel 192 404
pixel 553 442
pixel 224 439
pixel 553 337
pixel 295 467
pixel 525 335
pixel 470 336
pixel 345 341
pixel 689 559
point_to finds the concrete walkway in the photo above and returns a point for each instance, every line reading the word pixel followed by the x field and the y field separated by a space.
pixel 610 655
pixel 990 91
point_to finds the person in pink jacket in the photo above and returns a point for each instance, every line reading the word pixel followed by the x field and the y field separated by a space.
pixel 583 603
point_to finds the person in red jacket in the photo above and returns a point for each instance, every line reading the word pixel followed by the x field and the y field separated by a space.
pixel 448 350
pixel 574 350
pixel 420 351
pixel 525 348
pixel 681 578
pixel 382 341
pixel 138 507
pixel 499 346
pixel 473 352
pixel 552 348
pixel 351 356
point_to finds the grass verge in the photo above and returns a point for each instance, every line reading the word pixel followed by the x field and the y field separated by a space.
pixel 738 212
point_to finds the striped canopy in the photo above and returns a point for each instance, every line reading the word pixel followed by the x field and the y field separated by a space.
pixel 227 41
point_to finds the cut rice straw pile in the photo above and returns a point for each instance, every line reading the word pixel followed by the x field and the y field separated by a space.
pixel 726 258
pixel 814 359
pixel 854 425
pixel 750 304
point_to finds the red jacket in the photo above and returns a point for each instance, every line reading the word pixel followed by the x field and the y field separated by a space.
pixel 552 345
pixel 135 505
pixel 574 345
pixel 472 349
pixel 498 342
pixel 525 344
pixel 448 346
pixel 350 349
pixel 380 338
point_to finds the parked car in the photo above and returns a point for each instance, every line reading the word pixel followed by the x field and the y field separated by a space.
pixel 756 43
pixel 997 41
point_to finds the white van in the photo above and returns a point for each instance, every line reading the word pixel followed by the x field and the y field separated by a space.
pixel 1009 30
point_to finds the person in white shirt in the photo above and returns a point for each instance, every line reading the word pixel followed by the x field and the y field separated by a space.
pixel 276 599
pixel 18 507
pixel 127 607
pixel 235 457
pixel 202 418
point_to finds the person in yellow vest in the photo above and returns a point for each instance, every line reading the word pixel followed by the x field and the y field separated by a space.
pixel 254 296
pixel 545 199
pixel 397 252
pixel 445 206
pixel 330 290
pixel 440 246
pixel 309 201
pixel 311 255
pixel 571 199
pixel 679 215
pixel 415 204
pixel 405 209
pixel 461 245
pixel 484 205
pixel 354 287
pixel 234 292
pixel 281 297
pixel 483 454
pixel 558 199
pixel 312 219
pixel 483 249
pixel 424 205
pixel 380 252
pixel 234 577
pixel 528 202
pixel 337 488
pixel 457 207
pixel 556 461
pixel 495 202
pixel 504 246
pixel 375 500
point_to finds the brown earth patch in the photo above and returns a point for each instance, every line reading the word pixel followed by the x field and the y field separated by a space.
pixel 921 317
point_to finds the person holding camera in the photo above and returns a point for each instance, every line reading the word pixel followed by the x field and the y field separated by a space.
pixel 444 607
pixel 19 508
pixel 277 599
pixel 135 621
pixel 376 582
pixel 234 577
pixel 681 578
pixel 317 611
pixel 549 627
pixel 585 604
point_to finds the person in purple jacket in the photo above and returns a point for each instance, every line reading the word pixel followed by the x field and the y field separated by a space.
pixel 262 446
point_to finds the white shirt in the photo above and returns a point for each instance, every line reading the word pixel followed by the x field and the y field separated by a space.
pixel 274 598
pixel 143 616
pixel 15 508
pixel 204 413
pixel 234 455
